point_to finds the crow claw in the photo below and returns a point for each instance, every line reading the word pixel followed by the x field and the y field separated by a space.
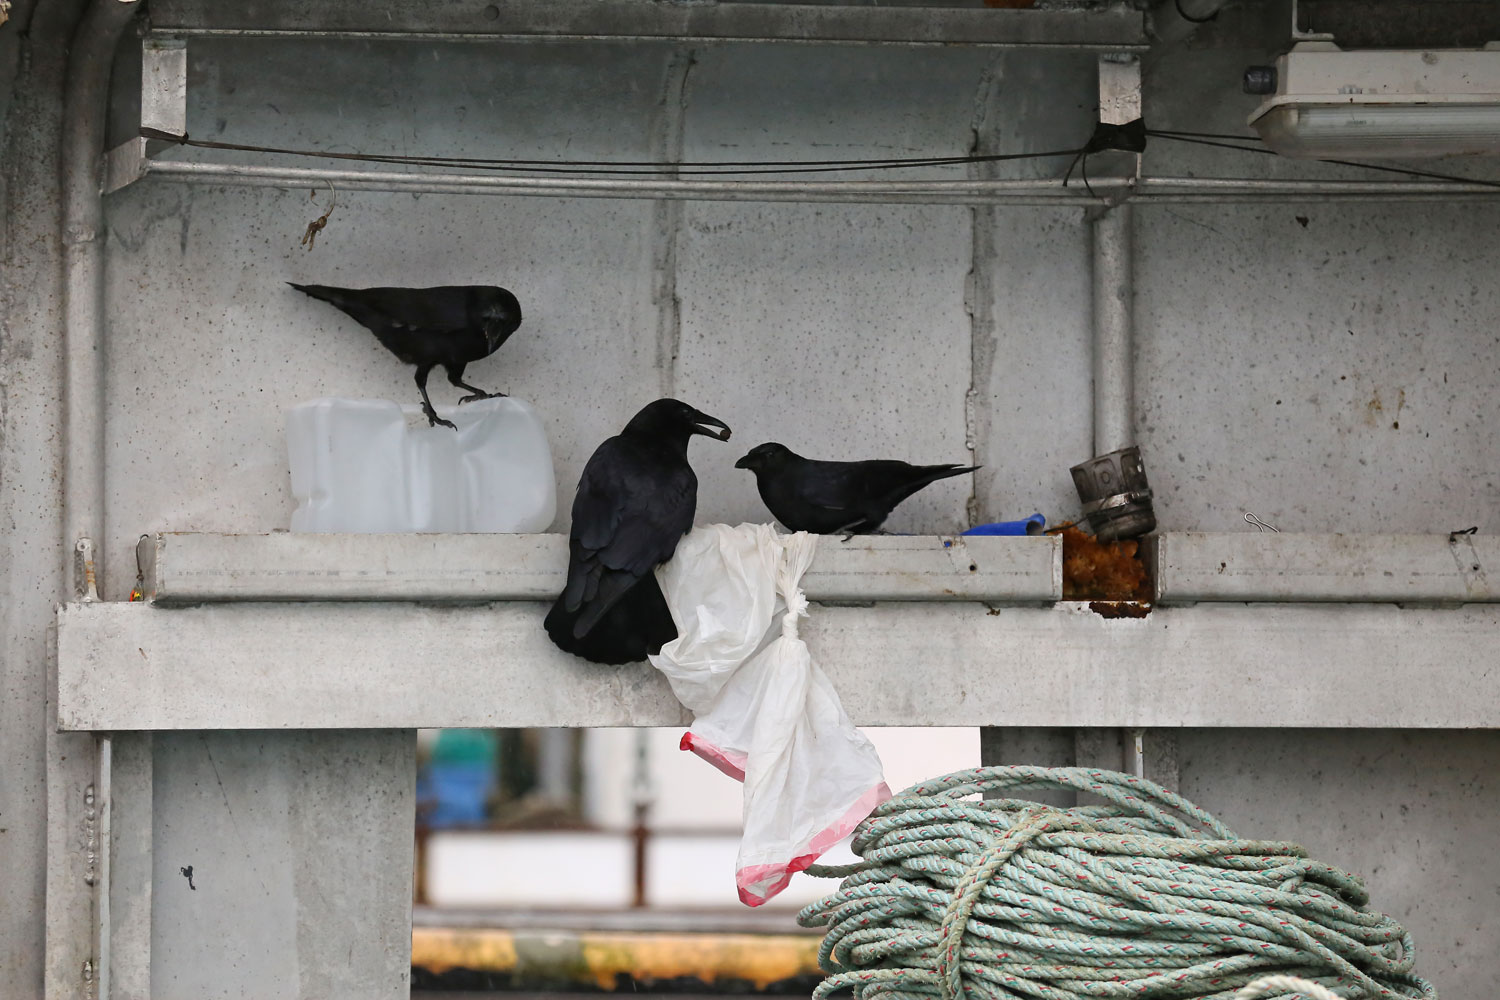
pixel 434 420
pixel 473 396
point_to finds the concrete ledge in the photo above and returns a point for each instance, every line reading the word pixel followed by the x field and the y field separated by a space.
pixel 1253 566
pixel 195 568
pixel 368 665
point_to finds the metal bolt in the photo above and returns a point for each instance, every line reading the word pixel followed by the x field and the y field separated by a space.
pixel 1260 80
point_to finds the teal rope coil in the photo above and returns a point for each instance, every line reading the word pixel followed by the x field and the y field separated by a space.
pixel 1145 896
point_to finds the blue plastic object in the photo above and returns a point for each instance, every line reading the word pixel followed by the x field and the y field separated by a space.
pixel 458 792
pixel 1032 525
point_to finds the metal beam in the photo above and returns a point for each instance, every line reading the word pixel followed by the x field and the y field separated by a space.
pixel 1113 28
pixel 191 568
pixel 1251 566
pixel 128 163
pixel 353 666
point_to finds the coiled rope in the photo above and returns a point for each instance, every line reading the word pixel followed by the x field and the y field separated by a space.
pixel 1267 986
pixel 1145 896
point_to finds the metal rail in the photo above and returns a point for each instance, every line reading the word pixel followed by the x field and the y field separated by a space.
pixel 1116 28
pixel 125 167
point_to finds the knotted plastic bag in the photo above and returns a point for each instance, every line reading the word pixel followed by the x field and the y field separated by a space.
pixel 764 713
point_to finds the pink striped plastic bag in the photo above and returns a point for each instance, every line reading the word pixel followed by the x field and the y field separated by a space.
pixel 764 713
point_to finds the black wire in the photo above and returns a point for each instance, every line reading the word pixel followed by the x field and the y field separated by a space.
pixel 1172 133
pixel 1404 171
pixel 1190 18
pixel 636 168
pixel 642 168
pixel 1212 142
pixel 1452 178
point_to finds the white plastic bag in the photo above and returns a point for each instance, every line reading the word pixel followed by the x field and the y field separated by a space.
pixel 764 713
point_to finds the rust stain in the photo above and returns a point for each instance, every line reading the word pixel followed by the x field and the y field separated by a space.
pixel 1120 609
pixel 1095 570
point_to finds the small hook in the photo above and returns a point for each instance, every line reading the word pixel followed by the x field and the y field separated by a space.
pixel 1259 524
pixel 316 226
pixel 138 592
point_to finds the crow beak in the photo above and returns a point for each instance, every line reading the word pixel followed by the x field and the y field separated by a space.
pixel 743 463
pixel 703 424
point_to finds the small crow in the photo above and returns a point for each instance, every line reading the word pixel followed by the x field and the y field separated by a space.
pixel 451 326
pixel 636 499
pixel 831 498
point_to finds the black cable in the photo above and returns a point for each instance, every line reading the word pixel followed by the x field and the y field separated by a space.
pixel 1172 133
pixel 1451 178
pixel 1105 137
pixel 636 168
pixel 1404 171
pixel 1212 142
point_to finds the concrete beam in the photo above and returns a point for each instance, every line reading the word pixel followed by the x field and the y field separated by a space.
pixel 366 665
pixel 1254 566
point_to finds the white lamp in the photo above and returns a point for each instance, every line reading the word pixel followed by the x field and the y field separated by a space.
pixel 1381 104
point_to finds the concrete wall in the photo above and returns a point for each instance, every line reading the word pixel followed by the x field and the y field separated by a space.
pixel 840 330
pixel 31 561
pixel 1274 361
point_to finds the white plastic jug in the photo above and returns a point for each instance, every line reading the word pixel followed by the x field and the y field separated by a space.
pixel 370 465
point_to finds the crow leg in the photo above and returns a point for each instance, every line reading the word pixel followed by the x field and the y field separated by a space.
pixel 848 530
pixel 854 526
pixel 456 377
pixel 432 418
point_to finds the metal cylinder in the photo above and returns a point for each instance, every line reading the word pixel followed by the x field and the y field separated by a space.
pixel 1116 497
pixel 1114 376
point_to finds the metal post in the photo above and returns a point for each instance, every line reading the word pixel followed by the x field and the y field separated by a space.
pixel 104 785
pixel 1114 298
pixel 1114 368
pixel 72 964
pixel 640 832
pixel 83 278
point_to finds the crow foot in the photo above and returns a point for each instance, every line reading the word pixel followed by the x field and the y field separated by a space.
pixel 480 395
pixel 847 530
pixel 434 420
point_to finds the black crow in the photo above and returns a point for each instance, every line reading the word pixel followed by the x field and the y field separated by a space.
pixel 832 498
pixel 636 499
pixel 451 326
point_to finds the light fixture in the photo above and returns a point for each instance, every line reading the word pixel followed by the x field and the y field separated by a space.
pixel 1323 102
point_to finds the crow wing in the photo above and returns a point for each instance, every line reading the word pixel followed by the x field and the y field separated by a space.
pixel 851 485
pixel 436 310
pixel 632 508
